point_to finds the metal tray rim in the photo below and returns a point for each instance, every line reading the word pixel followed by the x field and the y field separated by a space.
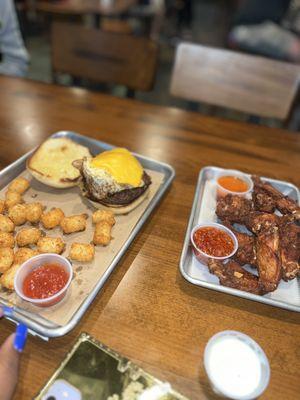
pixel 58 331
pixel 216 287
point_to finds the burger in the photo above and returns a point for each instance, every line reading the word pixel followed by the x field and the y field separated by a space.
pixel 114 179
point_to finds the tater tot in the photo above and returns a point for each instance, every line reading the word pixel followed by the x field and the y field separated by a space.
pixel 7 279
pixel 52 218
pixel 34 212
pixel 7 240
pixel 2 206
pixel 51 245
pixel 17 214
pixel 6 224
pixel 75 223
pixel 12 198
pixel 103 215
pixel 19 185
pixel 83 252
pixel 6 259
pixel 102 234
pixel 24 254
pixel 28 236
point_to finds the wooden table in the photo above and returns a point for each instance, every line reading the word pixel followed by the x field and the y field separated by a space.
pixel 147 311
pixel 75 7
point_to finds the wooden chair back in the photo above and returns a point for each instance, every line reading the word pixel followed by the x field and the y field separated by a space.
pixel 254 85
pixel 104 57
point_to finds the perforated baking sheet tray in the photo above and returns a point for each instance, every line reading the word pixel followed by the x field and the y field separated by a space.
pixel 59 321
pixel 286 296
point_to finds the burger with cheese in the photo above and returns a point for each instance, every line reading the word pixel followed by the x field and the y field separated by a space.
pixel 114 179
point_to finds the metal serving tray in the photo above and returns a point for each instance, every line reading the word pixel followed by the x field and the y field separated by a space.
pixel 38 325
pixel 286 296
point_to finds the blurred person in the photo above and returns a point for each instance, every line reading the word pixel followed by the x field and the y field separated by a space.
pixel 9 360
pixel 262 28
pixel 14 57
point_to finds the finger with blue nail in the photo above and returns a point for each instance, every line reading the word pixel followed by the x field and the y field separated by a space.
pixel 9 360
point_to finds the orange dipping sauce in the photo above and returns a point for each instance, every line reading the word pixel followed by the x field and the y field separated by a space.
pixel 233 183
pixel 45 281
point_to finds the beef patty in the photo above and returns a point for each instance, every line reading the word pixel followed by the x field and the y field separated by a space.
pixel 121 198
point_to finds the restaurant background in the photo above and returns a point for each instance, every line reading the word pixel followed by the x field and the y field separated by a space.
pixel 269 29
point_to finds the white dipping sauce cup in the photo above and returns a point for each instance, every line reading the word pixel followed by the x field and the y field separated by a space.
pixel 38 261
pixel 236 366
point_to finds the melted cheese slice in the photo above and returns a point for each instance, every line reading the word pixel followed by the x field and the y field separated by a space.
pixel 121 165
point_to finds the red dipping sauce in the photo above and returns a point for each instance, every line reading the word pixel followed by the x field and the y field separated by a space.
pixel 213 241
pixel 45 281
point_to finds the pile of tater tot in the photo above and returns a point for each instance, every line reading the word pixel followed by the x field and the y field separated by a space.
pixel 31 240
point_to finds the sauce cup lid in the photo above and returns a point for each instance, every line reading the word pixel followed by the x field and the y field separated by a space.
pixel 218 226
pixel 38 261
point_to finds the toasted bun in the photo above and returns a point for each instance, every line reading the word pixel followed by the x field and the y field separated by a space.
pixel 51 163
pixel 121 209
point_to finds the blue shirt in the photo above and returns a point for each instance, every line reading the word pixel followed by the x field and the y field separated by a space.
pixel 14 55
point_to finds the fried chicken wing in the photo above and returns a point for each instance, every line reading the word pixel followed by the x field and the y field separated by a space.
pixel 233 208
pixel 290 250
pixel 262 201
pixel 233 275
pixel 258 222
pixel 268 263
pixel 284 204
pixel 246 250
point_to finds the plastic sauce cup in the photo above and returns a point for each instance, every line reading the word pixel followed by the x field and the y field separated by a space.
pixel 222 192
pixel 236 366
pixel 34 263
pixel 203 257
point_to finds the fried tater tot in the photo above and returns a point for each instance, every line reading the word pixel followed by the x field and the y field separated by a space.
pixel 83 252
pixel 52 218
pixel 6 224
pixel 7 279
pixel 34 212
pixel 48 244
pixel 17 214
pixel 75 223
pixel 24 254
pixel 102 234
pixel 103 215
pixel 28 236
pixel 19 185
pixel 12 198
pixel 7 240
pixel 6 259
pixel 2 206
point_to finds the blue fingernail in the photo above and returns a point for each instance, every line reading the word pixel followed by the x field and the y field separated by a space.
pixel 20 338
pixel 7 311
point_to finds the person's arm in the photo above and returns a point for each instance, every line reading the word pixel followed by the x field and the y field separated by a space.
pixel 14 55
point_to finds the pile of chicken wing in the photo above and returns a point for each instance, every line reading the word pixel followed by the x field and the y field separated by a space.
pixel 272 247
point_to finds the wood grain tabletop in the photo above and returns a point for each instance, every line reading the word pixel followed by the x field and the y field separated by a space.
pixel 75 7
pixel 146 310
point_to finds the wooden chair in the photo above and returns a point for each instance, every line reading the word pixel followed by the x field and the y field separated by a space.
pixel 254 85
pixel 104 57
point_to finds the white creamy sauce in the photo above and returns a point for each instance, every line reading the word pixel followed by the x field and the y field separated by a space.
pixel 235 367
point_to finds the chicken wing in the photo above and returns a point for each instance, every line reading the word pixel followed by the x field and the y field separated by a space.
pixel 262 201
pixel 285 204
pixel 258 222
pixel 234 276
pixel 233 208
pixel 268 263
pixel 290 250
pixel 246 250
